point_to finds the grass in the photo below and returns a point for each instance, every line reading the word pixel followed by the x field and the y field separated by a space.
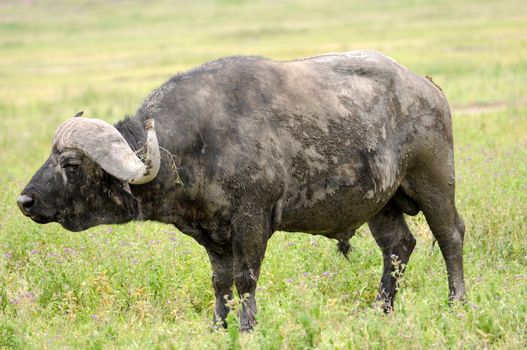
pixel 146 285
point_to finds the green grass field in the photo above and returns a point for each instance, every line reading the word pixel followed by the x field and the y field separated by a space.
pixel 146 285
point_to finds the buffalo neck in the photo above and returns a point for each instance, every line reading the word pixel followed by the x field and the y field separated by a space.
pixel 132 131
pixel 170 197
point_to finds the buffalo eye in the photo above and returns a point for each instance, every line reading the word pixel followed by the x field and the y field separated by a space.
pixel 70 162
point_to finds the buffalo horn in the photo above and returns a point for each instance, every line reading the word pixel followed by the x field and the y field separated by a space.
pixel 101 142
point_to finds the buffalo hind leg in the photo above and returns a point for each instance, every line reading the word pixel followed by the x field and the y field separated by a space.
pixel 391 233
pixel 249 241
pixel 437 203
pixel 222 281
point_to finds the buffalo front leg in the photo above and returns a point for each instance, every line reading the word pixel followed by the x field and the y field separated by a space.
pixel 249 241
pixel 396 241
pixel 222 281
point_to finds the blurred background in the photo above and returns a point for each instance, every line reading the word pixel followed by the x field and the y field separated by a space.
pixel 64 290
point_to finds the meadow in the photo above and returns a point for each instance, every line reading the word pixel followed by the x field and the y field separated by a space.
pixel 146 285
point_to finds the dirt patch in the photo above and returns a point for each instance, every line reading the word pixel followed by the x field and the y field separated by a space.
pixel 479 108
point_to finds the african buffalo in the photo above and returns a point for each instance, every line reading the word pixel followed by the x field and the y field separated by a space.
pixel 245 146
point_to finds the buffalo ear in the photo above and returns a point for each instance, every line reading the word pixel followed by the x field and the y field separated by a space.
pixel 79 114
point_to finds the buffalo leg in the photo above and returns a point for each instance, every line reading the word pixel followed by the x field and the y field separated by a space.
pixel 450 235
pixel 448 229
pixel 249 242
pixel 222 281
pixel 396 241
pixel 432 186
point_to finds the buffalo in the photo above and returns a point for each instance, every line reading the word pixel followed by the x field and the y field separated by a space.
pixel 241 147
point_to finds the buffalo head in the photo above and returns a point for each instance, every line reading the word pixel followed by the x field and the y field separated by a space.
pixel 85 181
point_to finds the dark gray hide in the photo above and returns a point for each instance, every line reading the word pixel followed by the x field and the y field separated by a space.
pixel 251 146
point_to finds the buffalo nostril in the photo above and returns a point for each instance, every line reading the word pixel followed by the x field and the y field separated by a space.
pixel 25 202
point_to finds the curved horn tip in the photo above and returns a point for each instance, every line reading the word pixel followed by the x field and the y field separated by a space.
pixel 150 124
pixel 79 114
pixel 152 162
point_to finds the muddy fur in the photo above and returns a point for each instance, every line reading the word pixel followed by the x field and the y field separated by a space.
pixel 251 146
